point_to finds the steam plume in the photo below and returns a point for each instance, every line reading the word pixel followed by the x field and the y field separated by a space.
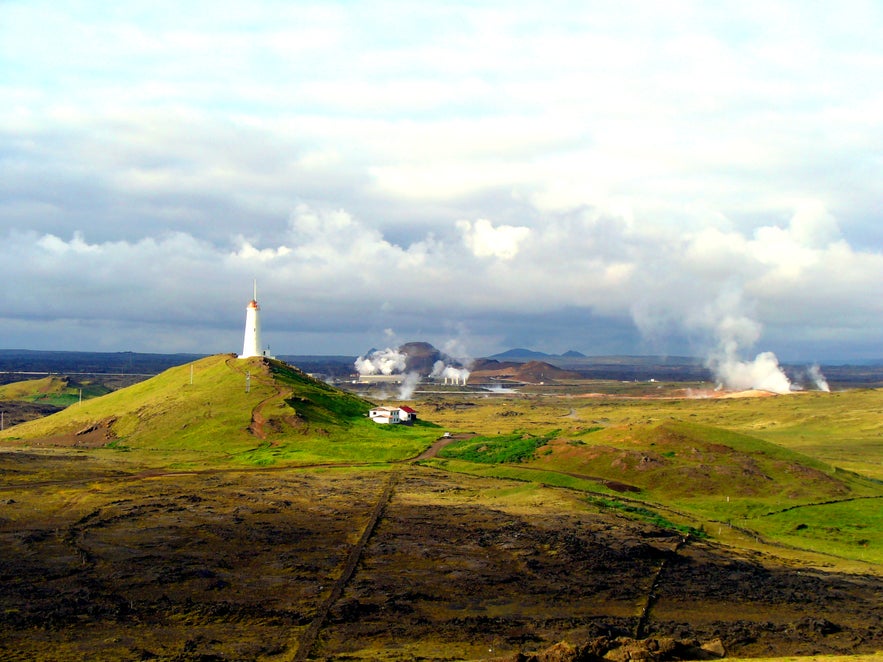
pixel 762 373
pixel 733 332
pixel 815 374
pixel 408 386
pixel 381 362
pixel 440 370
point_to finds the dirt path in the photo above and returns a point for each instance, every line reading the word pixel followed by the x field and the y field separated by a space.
pixel 433 450
pixel 307 641
pixel 257 417
pixel 652 594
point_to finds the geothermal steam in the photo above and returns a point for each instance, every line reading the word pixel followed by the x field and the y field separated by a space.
pixel 392 362
pixel 452 374
pixel 381 362
pixel 734 332
pixel 763 373
pixel 815 374
pixel 409 385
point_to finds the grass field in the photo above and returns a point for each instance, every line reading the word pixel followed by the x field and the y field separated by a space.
pixel 762 466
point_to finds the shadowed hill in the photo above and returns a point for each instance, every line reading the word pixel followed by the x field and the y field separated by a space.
pixel 532 372
pixel 35 398
pixel 215 403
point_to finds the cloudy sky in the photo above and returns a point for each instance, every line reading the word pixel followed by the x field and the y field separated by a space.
pixel 610 177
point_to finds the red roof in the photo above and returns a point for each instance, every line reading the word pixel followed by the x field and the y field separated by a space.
pixel 408 410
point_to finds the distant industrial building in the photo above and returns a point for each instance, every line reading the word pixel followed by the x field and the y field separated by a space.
pixel 396 378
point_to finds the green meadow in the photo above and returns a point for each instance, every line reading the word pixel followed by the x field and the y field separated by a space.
pixel 801 475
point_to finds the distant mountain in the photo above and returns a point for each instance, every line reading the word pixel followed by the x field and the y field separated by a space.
pixel 532 372
pixel 520 353
pixel 421 357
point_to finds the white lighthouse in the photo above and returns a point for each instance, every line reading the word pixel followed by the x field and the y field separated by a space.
pixel 251 346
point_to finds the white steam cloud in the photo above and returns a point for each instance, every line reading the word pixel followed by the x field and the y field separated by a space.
pixel 409 385
pixel 735 332
pixel 815 374
pixel 381 362
pixel 763 373
pixel 449 373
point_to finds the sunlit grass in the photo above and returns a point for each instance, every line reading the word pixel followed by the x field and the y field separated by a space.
pixel 718 462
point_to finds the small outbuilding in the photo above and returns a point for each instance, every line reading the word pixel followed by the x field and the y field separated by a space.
pixel 407 415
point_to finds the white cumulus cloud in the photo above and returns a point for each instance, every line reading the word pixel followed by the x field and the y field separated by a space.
pixel 485 240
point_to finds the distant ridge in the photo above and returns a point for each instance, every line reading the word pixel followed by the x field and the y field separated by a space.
pixel 523 353
pixel 50 361
pixel 520 353
pixel 531 372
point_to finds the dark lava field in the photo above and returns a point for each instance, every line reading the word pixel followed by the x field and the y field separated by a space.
pixel 400 563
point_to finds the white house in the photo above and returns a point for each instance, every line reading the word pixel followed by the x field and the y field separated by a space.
pixel 392 415
pixel 385 415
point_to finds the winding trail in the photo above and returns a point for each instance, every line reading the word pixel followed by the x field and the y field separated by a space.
pixel 652 593
pixel 256 427
pixel 301 649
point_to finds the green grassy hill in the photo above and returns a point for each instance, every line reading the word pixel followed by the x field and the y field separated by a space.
pixel 32 387
pixel 52 390
pixel 257 411
pixel 803 471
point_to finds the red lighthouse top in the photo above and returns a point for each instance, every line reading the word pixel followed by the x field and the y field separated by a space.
pixel 254 300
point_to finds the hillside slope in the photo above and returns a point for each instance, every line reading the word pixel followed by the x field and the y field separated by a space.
pixel 218 402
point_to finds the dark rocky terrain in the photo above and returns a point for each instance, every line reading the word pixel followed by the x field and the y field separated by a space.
pixel 18 411
pixel 406 563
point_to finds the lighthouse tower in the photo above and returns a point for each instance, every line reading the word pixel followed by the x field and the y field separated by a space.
pixel 251 346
